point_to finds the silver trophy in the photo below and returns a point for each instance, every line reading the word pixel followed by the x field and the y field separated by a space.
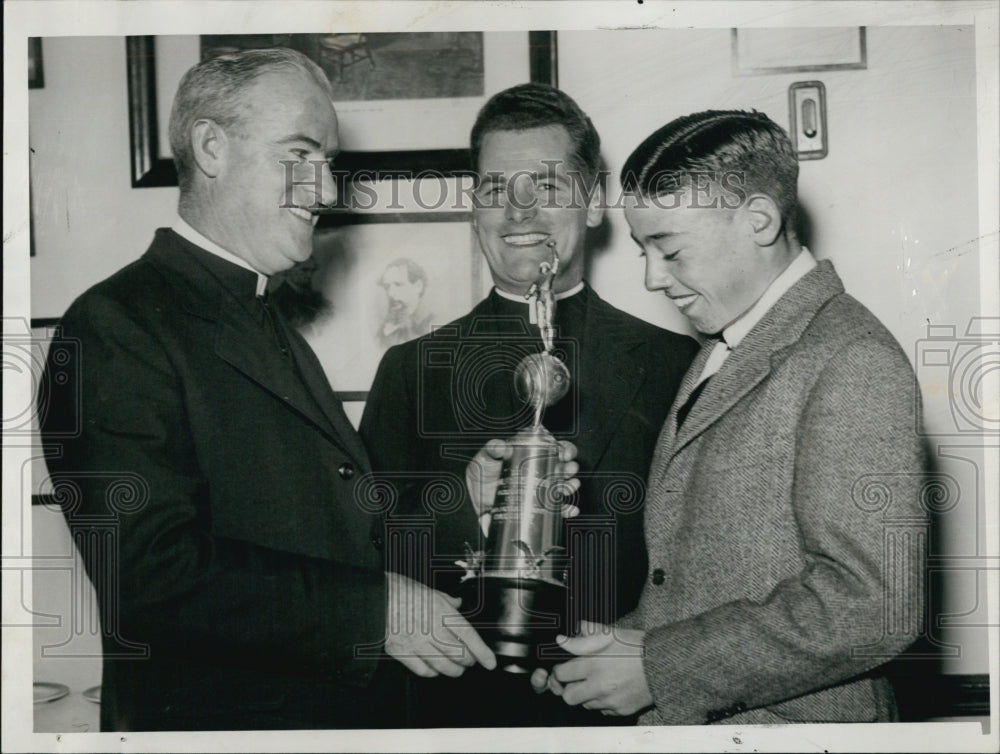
pixel 521 575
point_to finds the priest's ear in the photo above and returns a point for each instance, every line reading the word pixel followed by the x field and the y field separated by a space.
pixel 595 205
pixel 765 219
pixel 209 145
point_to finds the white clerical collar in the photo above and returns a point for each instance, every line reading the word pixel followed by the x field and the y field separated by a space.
pixel 184 230
pixel 800 266
pixel 559 296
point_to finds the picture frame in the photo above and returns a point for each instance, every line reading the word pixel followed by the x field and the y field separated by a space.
pixel 36 72
pixel 388 282
pixel 798 50
pixel 152 168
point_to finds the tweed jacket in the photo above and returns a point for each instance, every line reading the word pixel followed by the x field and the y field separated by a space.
pixel 784 523
pixel 209 482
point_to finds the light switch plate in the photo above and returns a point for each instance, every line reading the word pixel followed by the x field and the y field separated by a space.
pixel 807 118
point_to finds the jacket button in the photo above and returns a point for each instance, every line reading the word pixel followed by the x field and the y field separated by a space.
pixel 659 576
pixel 346 470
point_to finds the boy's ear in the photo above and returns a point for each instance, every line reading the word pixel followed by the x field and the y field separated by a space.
pixel 765 219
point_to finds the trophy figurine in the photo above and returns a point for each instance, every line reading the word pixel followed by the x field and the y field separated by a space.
pixel 521 574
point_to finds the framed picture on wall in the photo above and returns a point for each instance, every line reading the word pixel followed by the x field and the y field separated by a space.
pixel 386 283
pixel 798 50
pixel 36 74
pixel 405 101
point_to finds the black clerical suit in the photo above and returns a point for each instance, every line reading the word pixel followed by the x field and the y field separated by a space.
pixel 435 400
pixel 208 474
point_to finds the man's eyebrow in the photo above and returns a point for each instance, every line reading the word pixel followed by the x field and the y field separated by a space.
pixel 659 234
pixel 494 176
pixel 310 142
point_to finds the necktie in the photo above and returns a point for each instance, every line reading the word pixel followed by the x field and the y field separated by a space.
pixel 684 410
pixel 712 365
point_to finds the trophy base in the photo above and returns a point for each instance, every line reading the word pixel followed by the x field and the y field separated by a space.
pixel 519 619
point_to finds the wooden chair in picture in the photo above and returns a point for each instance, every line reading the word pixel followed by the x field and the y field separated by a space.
pixel 345 50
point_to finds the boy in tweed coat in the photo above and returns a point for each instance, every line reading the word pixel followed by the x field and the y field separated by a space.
pixel 783 520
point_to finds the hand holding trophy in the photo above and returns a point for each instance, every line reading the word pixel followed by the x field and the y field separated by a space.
pixel 521 577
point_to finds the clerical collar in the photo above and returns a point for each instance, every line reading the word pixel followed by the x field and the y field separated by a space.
pixel 184 230
pixel 521 299
pixel 800 266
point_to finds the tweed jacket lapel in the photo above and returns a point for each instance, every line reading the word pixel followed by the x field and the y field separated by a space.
pixel 749 364
pixel 612 358
pixel 665 443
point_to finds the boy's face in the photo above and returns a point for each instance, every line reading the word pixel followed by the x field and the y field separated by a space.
pixel 704 259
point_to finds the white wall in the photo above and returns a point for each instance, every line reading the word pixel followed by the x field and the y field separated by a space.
pixel 88 220
pixel 893 205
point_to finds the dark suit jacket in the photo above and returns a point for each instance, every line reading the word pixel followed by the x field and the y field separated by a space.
pixel 785 523
pixel 209 482
pixel 437 399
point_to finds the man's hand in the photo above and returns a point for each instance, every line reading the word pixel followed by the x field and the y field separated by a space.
pixel 482 475
pixel 427 634
pixel 606 675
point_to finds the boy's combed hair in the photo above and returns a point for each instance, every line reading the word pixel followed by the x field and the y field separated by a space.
pixel 718 143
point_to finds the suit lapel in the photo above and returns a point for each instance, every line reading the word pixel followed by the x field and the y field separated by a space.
pixel 239 341
pixel 665 443
pixel 750 363
pixel 742 371
pixel 613 362
pixel 319 389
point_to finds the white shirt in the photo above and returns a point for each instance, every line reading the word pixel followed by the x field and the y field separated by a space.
pixel 533 303
pixel 559 296
pixel 733 335
pixel 184 230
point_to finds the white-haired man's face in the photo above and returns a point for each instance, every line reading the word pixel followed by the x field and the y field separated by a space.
pixel 273 170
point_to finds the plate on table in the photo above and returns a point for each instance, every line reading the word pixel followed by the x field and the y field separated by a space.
pixel 49 692
pixel 93 694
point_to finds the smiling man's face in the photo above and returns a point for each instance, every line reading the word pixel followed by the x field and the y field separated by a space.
pixel 274 171
pixel 528 198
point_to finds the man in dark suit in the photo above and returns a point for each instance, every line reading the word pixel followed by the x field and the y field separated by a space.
pixel 436 398
pixel 208 473
pixel 784 519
